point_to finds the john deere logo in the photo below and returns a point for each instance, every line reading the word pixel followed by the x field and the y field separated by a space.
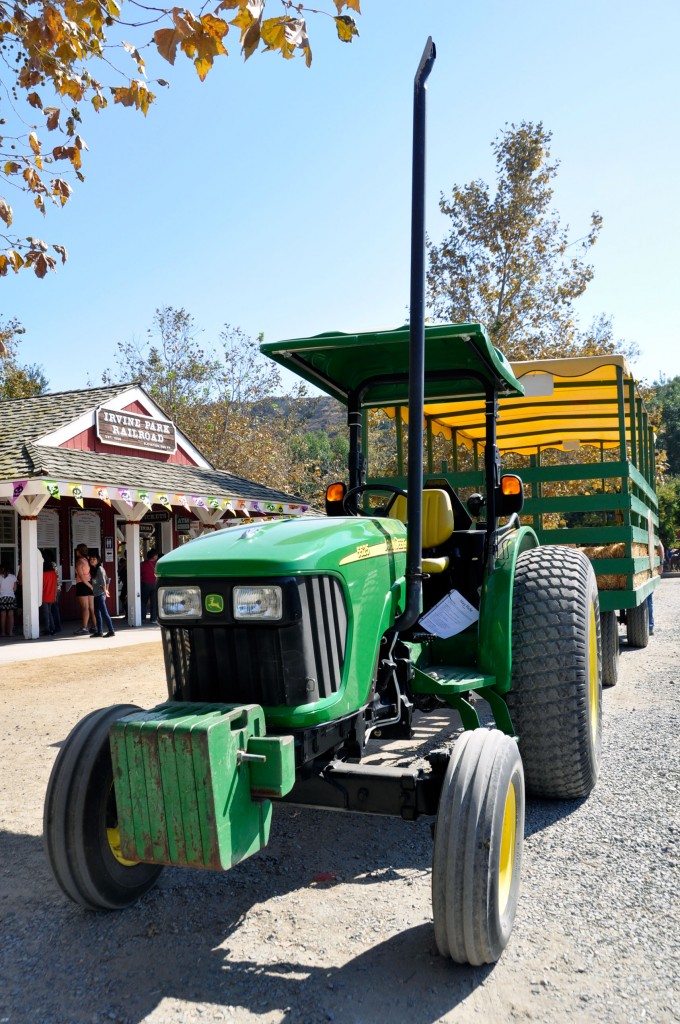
pixel 214 603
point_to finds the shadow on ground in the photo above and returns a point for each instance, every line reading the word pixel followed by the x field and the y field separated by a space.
pixel 60 963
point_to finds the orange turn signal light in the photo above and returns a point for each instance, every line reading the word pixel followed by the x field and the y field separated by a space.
pixel 511 485
pixel 335 492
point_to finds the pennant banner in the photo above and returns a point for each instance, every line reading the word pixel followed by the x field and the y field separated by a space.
pixel 198 501
pixel 181 499
pixel 52 488
pixel 18 488
pixel 164 499
pixel 213 502
pixel 143 496
pixel 76 491
pixel 102 493
pixel 124 493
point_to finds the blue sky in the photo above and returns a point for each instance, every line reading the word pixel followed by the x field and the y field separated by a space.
pixel 276 198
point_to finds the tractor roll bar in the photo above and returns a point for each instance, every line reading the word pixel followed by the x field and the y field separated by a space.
pixel 416 397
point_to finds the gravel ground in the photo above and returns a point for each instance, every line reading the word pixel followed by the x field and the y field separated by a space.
pixel 332 922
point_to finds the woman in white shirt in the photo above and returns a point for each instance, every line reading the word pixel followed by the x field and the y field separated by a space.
pixel 8 601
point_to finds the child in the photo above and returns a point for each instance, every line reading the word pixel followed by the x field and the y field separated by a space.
pixel 51 619
pixel 100 589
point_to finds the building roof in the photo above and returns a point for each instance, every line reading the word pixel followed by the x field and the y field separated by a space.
pixel 23 421
pixel 130 471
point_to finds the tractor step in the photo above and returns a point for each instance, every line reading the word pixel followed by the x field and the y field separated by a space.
pixel 192 783
pixel 445 680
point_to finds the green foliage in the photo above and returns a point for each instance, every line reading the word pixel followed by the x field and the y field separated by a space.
pixel 664 401
pixel 318 459
pixel 17 380
pixel 669 511
pixel 507 262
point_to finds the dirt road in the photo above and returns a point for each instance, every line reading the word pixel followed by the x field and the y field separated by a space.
pixel 332 922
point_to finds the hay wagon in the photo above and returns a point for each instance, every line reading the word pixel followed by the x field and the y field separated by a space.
pixel 581 441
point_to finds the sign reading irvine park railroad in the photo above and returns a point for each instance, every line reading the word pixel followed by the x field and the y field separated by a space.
pixel 131 430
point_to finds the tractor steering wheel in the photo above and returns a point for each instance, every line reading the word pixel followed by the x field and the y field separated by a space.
pixel 370 487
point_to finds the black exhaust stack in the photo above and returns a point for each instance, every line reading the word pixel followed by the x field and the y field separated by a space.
pixel 416 387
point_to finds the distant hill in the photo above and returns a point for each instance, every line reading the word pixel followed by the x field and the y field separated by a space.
pixel 317 414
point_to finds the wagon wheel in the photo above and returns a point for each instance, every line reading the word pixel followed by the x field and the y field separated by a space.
pixel 80 824
pixel 556 695
pixel 609 627
pixel 478 841
pixel 637 625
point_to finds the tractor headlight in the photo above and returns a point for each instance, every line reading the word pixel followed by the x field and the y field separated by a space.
pixel 179 602
pixel 256 604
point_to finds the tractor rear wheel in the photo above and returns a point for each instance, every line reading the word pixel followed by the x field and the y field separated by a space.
pixel 556 695
pixel 637 625
pixel 609 627
pixel 479 834
pixel 80 824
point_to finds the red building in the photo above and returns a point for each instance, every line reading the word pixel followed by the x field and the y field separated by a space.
pixel 106 468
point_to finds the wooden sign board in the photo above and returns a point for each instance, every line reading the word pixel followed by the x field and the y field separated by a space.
pixel 132 430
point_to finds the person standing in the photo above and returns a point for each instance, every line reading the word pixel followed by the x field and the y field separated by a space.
pixel 84 591
pixel 100 589
pixel 8 601
pixel 49 598
pixel 147 577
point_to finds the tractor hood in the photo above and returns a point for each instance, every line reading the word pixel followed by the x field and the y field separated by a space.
pixel 290 546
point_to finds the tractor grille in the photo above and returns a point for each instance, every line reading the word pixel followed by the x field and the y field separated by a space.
pixel 296 662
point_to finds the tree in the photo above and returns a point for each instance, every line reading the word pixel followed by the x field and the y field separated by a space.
pixel 53 53
pixel 171 364
pixel 223 397
pixel 17 380
pixel 317 459
pixel 247 429
pixel 507 262
pixel 669 511
pixel 663 401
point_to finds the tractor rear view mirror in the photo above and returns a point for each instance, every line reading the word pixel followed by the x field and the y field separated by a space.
pixel 335 497
pixel 510 499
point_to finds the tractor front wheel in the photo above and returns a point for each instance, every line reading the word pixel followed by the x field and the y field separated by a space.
pixel 609 625
pixel 637 625
pixel 80 825
pixel 555 700
pixel 479 834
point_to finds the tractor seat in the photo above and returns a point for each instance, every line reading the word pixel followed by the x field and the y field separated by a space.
pixel 437 524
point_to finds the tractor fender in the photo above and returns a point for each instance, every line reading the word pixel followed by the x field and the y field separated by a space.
pixel 495 614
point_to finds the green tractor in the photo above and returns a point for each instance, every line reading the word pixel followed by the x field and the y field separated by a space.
pixel 289 645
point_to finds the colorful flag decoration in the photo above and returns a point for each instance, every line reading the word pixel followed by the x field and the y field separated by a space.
pixel 102 493
pixel 213 502
pixel 198 501
pixel 76 491
pixel 52 488
pixel 227 505
pixel 18 488
pixel 164 499
pixel 181 499
pixel 126 496
pixel 143 496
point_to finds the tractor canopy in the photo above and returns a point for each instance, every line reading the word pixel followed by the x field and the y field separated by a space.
pixel 460 361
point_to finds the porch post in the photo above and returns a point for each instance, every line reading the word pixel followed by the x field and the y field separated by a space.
pixel 31 584
pixel 134 591
pixel 28 506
